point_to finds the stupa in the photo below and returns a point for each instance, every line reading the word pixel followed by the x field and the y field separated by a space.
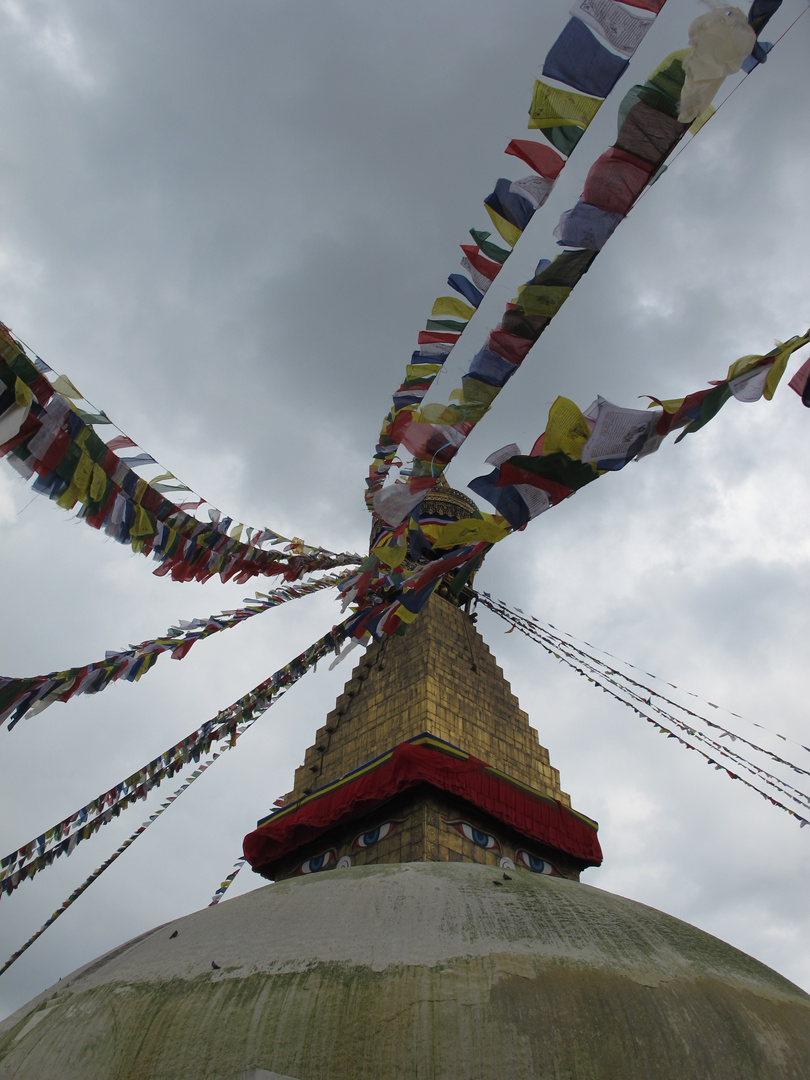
pixel 426 921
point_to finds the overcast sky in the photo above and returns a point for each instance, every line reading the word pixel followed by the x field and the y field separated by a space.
pixel 227 223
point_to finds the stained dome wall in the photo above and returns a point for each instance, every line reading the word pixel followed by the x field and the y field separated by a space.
pixel 418 970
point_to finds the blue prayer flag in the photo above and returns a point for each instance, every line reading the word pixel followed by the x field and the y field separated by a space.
pixel 578 59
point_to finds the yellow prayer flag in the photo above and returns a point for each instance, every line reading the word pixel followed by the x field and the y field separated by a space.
pixel 566 429
pixel 67 500
pixel 511 233
pixel 404 615
pixel 670 405
pixel 552 107
pixel 148 661
pixel 80 480
pixel 391 551
pixel 421 371
pixel 781 354
pixel 745 363
pixel 8 347
pixel 475 394
pixel 22 393
pixel 436 413
pixel 97 483
pixel 65 387
pixel 142 526
pixel 451 305
pixel 704 118
pixel 470 531
pixel 780 363
pixel 83 436
pixel 236 532
pixel 542 299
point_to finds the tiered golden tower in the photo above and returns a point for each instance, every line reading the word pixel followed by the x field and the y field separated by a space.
pixel 427 756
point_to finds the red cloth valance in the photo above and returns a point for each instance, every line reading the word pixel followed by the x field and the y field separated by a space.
pixel 532 815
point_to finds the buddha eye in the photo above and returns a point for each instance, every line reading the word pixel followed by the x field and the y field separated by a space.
pixel 366 839
pixel 537 865
pixel 478 836
pixel 317 862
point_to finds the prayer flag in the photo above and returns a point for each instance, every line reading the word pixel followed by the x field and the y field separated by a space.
pixel 578 59
pixel 466 288
pixel 554 107
pixel 541 158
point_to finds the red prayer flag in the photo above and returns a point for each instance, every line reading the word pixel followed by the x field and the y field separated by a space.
pixel 542 159
pixel 801 380
pixel 120 442
pixel 511 474
pixel 427 337
pixel 489 269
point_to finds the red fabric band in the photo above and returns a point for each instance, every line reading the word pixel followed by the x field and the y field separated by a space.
pixel 533 816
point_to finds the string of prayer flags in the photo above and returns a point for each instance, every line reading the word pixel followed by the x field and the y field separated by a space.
pixel 226 884
pixel 792 793
pixel 616 179
pixel 605 673
pixel 390 590
pixel 578 447
pixel 649 129
pixel 748 379
pixel 85 885
pixel 568 640
pixel 580 69
pixel 74 896
pixel 63 837
pixel 573 451
pixel 23 697
pixel 650 126
pixel 51 443
pixel 609 681
pixel 517 503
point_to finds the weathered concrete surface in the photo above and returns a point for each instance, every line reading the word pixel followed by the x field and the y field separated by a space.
pixel 420 970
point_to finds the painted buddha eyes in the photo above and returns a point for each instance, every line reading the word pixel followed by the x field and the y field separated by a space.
pixel 366 839
pixel 327 859
pixel 317 862
pixel 478 836
pixel 537 865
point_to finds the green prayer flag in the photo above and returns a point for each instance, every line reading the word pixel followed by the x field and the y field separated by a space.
pixel 492 251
